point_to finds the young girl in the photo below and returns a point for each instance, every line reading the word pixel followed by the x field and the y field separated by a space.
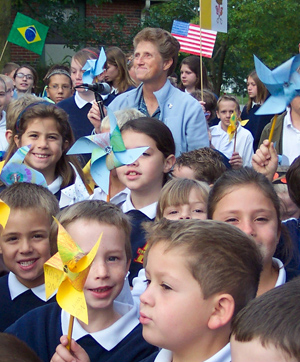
pixel 58 83
pixel 190 75
pixel 257 93
pixel 116 73
pixel 183 198
pixel 45 127
pixel 79 105
pixel 247 200
pixel 145 177
pixel 25 79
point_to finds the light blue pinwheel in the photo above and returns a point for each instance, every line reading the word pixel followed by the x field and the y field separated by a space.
pixel 94 67
pixel 16 171
pixel 283 83
pixel 108 152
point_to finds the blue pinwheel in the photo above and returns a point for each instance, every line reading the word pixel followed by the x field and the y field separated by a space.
pixel 16 171
pixel 108 152
pixel 93 67
pixel 283 83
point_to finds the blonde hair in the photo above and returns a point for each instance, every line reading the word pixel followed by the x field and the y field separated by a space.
pixel 176 192
pixel 122 117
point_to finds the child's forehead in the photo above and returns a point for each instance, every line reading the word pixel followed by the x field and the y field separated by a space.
pixel 228 104
pixel 2 87
pixel 59 78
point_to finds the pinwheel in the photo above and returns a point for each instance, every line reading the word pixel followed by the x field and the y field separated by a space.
pixel 16 171
pixel 4 213
pixel 108 152
pixel 232 128
pixel 283 83
pixel 66 272
pixel 94 67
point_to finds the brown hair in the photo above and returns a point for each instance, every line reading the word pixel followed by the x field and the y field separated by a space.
pixel 167 45
pixel 116 57
pixel 262 91
pixel 9 67
pixel 95 210
pixel 273 319
pixel 206 163
pixel 219 256
pixel 57 69
pixel 34 74
pixel 193 62
pixel 176 192
pixel 85 54
pixel 48 110
pixel 293 181
pixel 210 101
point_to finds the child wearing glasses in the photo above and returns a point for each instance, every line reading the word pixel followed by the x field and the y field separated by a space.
pixel 58 83
pixel 25 79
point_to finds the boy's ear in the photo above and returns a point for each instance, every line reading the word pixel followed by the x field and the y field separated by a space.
pixel 169 163
pixel 223 311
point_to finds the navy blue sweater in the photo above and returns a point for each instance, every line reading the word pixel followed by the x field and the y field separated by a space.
pixel 11 310
pixel 41 330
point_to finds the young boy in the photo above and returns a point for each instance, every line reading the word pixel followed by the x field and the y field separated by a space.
pixel 113 333
pixel 25 246
pixel 204 164
pixel 199 275
pixel 268 328
pixel 242 156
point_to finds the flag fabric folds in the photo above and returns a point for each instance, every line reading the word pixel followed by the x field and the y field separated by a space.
pixel 28 33
pixel 188 36
pixel 213 15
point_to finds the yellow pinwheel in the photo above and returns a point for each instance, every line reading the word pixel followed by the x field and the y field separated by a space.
pixel 4 213
pixel 234 123
pixel 67 271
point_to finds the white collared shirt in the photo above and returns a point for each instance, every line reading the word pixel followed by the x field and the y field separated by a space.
pixel 222 356
pixel 80 102
pixel 282 273
pixel 290 140
pixel 3 141
pixel 118 199
pixel 244 143
pixel 149 210
pixel 109 337
pixel 16 288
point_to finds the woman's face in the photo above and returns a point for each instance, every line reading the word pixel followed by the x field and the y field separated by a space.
pixel 24 80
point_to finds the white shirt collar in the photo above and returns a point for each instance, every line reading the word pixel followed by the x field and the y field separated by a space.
pixel 282 273
pixel 80 102
pixel 55 185
pixel 149 210
pixel 118 199
pixel 108 338
pixel 16 288
pixel 222 356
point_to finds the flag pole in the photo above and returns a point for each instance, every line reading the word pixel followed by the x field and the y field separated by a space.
pixel 201 68
pixel 5 45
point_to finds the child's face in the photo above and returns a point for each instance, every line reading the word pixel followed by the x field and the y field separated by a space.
pixel 24 83
pixel 289 208
pixel 173 311
pixel 76 75
pixel 251 88
pixel 25 245
pixel 188 77
pixel 145 174
pixel 247 208
pixel 255 351
pixel 195 209
pixel 59 87
pixel 110 266
pixel 226 108
pixel 111 73
pixel 46 146
pixel 183 172
pixel 2 96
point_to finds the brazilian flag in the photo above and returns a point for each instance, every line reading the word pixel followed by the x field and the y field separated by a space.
pixel 28 33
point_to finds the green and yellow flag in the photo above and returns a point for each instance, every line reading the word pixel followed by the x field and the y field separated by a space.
pixel 28 33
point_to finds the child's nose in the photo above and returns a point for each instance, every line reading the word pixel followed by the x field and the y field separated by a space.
pixel 25 246
pixel 146 297
pixel 248 228
pixel 100 270
pixel 42 142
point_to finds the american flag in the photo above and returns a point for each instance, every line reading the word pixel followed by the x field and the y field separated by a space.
pixel 188 36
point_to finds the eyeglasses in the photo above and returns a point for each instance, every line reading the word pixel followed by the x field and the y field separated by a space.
pixel 22 75
pixel 56 87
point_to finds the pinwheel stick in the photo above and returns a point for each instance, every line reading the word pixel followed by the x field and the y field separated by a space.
pixel 109 188
pixel 234 145
pixel 272 128
pixel 71 322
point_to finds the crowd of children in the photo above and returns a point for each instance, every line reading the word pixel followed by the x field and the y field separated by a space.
pixel 196 255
